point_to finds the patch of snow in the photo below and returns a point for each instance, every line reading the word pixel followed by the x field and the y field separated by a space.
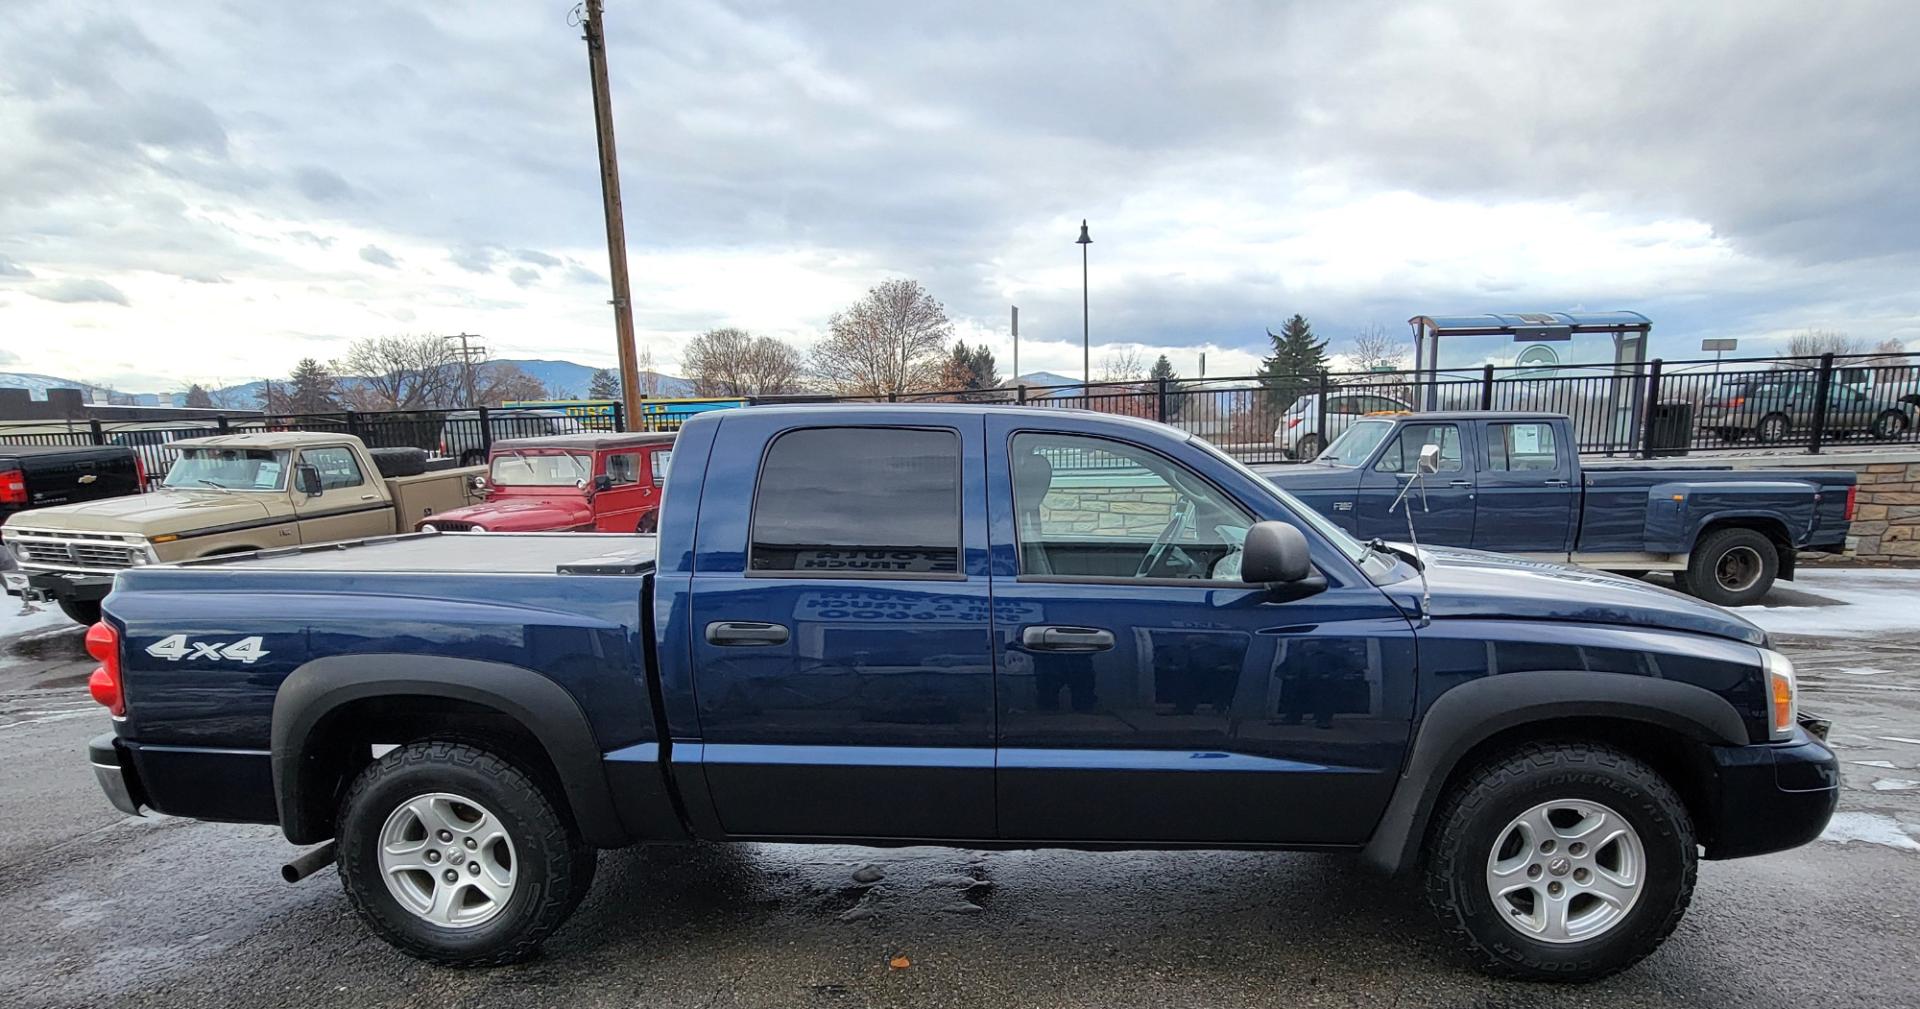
pixel 1865 672
pixel 16 623
pixel 1844 602
pixel 1901 739
pixel 1895 785
pixel 1869 828
pixel 1887 764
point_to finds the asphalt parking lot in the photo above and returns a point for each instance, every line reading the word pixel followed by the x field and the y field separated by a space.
pixel 106 910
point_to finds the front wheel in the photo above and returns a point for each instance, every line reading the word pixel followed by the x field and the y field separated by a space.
pixel 1561 862
pixel 458 857
pixel 1309 447
pixel 1890 426
pixel 1732 567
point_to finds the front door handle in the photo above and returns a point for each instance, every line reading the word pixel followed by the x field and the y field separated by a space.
pixel 1555 482
pixel 745 632
pixel 1459 483
pixel 1040 638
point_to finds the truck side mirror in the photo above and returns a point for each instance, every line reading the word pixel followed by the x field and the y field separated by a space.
pixel 1429 459
pixel 479 483
pixel 603 482
pixel 309 479
pixel 1275 553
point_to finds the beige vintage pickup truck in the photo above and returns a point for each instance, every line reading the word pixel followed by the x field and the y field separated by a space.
pixel 228 494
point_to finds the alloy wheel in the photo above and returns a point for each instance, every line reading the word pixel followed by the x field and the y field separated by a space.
pixel 1566 871
pixel 447 859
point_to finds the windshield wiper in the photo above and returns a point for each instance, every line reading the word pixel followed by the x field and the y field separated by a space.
pixel 222 488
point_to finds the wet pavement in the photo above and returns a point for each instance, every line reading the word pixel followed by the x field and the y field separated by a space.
pixel 105 910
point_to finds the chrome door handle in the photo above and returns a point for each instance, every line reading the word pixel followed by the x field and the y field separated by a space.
pixel 1555 482
pixel 1459 483
pixel 1066 639
pixel 745 632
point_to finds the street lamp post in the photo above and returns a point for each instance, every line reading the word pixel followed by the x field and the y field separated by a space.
pixel 1086 346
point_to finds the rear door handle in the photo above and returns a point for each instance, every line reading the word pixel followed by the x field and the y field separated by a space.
pixel 1459 483
pixel 1041 638
pixel 1555 482
pixel 745 632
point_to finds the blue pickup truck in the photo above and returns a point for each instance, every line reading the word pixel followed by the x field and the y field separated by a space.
pixel 975 626
pixel 1513 483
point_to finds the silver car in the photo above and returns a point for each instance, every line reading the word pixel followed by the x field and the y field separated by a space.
pixel 1298 433
pixel 1775 410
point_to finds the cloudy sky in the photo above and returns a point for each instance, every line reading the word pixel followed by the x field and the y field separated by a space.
pixel 205 191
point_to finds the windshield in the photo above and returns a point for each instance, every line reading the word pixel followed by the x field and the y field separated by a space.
pixel 228 469
pixel 1358 442
pixel 1375 566
pixel 540 469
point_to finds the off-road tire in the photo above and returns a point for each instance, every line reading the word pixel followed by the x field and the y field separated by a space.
pixel 553 866
pixel 1702 566
pixel 1471 816
pixel 81 611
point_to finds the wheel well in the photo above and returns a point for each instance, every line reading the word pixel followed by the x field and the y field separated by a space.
pixel 341 745
pixel 1772 529
pixel 1682 762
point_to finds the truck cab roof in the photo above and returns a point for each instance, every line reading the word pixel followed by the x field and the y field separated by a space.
pixel 263 440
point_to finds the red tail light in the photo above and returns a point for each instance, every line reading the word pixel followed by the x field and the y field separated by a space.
pixel 103 643
pixel 13 487
pixel 1293 422
pixel 1736 402
pixel 1853 497
pixel 139 474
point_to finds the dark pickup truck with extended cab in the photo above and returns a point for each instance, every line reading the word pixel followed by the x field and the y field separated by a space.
pixel 967 625
pixel 1513 483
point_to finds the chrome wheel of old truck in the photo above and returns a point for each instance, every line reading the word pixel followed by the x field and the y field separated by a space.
pixel 447 859
pixel 1566 871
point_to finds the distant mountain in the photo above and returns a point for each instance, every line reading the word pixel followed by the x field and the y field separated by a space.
pixel 37 385
pixel 1040 378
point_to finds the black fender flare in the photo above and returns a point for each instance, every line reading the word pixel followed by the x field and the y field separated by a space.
pixel 315 690
pixel 1468 714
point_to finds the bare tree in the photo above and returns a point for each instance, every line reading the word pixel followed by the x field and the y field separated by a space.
pixel 890 341
pixel 649 379
pixel 1373 347
pixel 402 372
pixel 1122 364
pixel 734 362
pixel 497 383
pixel 1815 342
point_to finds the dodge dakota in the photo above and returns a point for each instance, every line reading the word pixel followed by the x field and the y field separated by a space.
pixel 966 625
pixel 1512 482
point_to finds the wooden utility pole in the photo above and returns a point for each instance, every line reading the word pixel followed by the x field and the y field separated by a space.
pixel 616 225
pixel 467 354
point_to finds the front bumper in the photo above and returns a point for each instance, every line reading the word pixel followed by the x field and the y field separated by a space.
pixel 115 773
pixel 52 585
pixel 1773 796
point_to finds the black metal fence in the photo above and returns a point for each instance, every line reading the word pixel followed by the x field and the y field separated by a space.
pixel 1629 410
pixel 1643 410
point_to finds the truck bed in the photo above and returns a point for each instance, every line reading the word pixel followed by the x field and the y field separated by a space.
pixel 464 553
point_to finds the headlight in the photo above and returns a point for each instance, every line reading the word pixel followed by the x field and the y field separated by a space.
pixel 1783 693
pixel 428 527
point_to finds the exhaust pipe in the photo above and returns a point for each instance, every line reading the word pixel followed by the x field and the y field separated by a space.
pixel 308 864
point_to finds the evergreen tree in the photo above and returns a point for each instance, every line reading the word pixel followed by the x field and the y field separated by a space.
pixel 1162 370
pixel 199 398
pixel 310 389
pixel 605 385
pixel 1296 363
pixel 969 368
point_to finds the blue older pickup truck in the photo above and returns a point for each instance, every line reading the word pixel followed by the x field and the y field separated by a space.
pixel 1512 482
pixel 975 626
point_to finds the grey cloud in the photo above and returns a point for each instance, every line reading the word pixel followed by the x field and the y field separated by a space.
pixel 379 257
pixel 78 290
pixel 323 241
pixel 321 185
pixel 523 276
pixel 536 257
pixel 581 275
pixel 7 356
pixel 474 258
pixel 9 268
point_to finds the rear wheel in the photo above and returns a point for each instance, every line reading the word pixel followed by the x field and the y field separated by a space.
pixel 649 522
pixel 81 611
pixel 472 457
pixel 1774 427
pixel 1309 447
pixel 1561 861
pixel 1732 567
pixel 1889 425
pixel 458 857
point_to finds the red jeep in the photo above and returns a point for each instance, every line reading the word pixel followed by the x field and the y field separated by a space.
pixel 567 483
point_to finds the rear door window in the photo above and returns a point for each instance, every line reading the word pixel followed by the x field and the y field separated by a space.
pixel 858 502
pixel 1521 447
pixel 338 467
